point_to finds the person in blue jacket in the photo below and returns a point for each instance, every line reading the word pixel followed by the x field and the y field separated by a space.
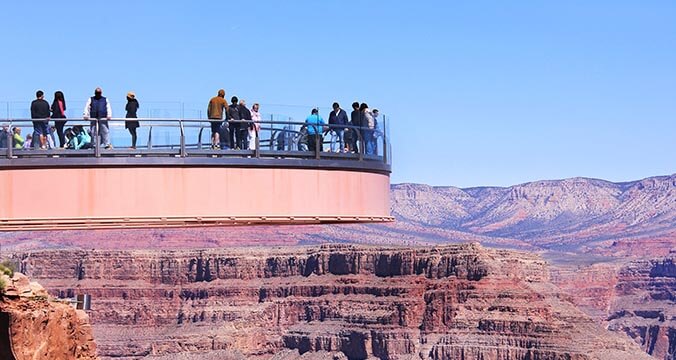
pixel 315 127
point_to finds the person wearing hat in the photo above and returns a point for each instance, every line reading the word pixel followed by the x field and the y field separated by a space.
pixel 131 125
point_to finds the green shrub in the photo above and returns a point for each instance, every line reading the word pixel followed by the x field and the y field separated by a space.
pixel 7 268
pixel 2 286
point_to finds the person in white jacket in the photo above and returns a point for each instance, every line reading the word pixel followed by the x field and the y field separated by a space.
pixel 98 108
pixel 256 117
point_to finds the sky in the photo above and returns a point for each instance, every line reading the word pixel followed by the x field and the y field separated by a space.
pixel 476 93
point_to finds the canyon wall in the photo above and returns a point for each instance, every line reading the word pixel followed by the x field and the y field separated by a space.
pixel 338 301
pixel 33 326
pixel 634 297
pixel 644 305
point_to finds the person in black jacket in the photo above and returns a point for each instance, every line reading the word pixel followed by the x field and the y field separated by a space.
pixel 337 120
pixel 59 112
pixel 233 124
pixel 244 114
pixel 40 110
pixel 131 125
pixel 355 120
pixel 5 136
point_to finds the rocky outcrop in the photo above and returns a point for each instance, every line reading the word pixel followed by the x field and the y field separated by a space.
pixel 644 305
pixel 637 298
pixel 34 326
pixel 343 302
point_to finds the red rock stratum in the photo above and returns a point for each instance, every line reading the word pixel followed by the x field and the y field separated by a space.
pixel 34 326
pixel 340 301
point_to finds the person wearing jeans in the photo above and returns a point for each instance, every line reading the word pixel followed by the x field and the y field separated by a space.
pixel 98 108
pixel 367 129
pixel 337 120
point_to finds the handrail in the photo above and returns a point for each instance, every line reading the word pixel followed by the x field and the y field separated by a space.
pixel 279 131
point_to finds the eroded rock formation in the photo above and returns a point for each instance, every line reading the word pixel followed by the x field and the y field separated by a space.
pixel 644 305
pixel 34 326
pixel 635 297
pixel 349 302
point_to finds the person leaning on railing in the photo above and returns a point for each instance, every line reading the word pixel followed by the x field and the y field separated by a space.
pixel 98 108
pixel 315 128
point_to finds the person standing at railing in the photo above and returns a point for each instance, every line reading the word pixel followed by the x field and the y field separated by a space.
pixel 315 128
pixel 244 128
pixel 59 112
pixel 233 123
pixel 367 128
pixel 215 111
pixel 338 119
pixel 98 108
pixel 131 125
pixel 17 139
pixel 256 126
pixel 40 110
pixel 4 136
pixel 355 120
pixel 377 130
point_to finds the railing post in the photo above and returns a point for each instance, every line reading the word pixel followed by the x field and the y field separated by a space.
pixel 317 144
pixel 362 145
pixel 180 125
pixel 9 141
pixel 97 140
pixel 384 127
pixel 257 142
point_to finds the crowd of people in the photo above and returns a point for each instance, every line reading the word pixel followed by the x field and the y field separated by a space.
pixel 361 128
pixel 97 110
pixel 233 126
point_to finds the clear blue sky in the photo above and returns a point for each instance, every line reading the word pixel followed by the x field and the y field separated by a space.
pixel 478 92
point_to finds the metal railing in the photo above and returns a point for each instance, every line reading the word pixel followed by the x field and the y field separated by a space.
pixel 178 137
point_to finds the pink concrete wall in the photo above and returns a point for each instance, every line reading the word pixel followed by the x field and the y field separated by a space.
pixel 73 193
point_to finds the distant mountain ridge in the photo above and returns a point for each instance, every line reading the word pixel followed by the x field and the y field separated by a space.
pixel 549 213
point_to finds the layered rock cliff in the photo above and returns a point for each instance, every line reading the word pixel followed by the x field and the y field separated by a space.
pixel 636 297
pixel 353 302
pixel 35 327
pixel 644 305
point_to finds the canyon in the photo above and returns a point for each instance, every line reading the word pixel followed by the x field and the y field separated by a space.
pixel 635 297
pixel 336 301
